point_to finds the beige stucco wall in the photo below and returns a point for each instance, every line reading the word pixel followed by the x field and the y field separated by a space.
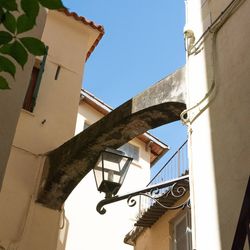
pixel 11 100
pixel 160 235
pixel 26 225
pixel 219 137
pixel 68 44
pixel 87 229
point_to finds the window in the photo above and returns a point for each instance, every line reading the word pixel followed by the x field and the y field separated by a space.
pixel 28 103
pixel 182 233
pixel 34 85
pixel 85 125
pixel 131 151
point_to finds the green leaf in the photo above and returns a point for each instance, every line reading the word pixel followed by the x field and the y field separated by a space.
pixel 5 48
pixel 17 51
pixel 25 23
pixel 5 37
pixel 34 46
pixel 7 66
pixel 30 7
pixel 9 4
pixel 9 22
pixel 3 83
pixel 52 4
pixel 2 14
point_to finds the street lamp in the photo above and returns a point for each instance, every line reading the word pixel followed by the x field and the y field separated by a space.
pixel 110 171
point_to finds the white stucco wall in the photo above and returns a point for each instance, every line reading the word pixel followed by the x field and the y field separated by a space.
pixel 87 229
pixel 219 137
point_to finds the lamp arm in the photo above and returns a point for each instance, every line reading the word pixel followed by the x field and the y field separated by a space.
pixel 150 192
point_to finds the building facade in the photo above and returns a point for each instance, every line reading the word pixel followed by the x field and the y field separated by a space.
pixel 217 116
pixel 11 100
pixel 55 85
pixel 84 227
pixel 170 231
pixel 165 224
pixel 217 36
pixel 41 127
pixel 217 78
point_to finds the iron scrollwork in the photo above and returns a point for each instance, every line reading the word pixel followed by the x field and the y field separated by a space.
pixel 176 188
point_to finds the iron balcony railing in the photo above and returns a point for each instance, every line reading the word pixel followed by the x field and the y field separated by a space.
pixel 175 167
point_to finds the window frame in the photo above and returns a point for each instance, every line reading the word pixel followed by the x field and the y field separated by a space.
pixel 185 214
pixel 86 124
pixel 130 155
pixel 29 101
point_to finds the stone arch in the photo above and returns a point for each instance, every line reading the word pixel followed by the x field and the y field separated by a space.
pixel 67 165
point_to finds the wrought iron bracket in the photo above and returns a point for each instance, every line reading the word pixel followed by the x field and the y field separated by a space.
pixel 174 188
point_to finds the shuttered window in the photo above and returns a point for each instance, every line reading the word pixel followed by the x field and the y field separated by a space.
pixel 34 85
pixel 28 100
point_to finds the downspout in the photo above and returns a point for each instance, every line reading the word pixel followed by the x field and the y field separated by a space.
pixel 213 29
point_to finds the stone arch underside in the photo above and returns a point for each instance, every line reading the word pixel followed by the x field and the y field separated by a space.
pixel 67 165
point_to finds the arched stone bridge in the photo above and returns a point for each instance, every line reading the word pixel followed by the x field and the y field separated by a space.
pixel 67 165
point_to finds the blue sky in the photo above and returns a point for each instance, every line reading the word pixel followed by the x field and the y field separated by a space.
pixel 143 43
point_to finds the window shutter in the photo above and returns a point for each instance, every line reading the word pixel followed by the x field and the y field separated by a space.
pixel 38 80
pixel 28 97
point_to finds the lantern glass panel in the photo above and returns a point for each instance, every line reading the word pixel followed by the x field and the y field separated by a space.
pixel 110 171
pixel 98 172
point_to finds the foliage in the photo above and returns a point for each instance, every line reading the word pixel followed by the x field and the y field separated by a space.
pixel 14 46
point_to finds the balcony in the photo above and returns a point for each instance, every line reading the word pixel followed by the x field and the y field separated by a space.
pixel 149 210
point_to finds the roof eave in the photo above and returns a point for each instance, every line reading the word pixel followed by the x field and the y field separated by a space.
pixel 89 23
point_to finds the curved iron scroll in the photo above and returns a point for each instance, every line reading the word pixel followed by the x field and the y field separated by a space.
pixel 176 188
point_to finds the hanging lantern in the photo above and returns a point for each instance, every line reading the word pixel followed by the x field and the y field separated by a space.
pixel 110 171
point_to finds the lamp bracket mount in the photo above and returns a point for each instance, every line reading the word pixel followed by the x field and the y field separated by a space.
pixel 176 188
